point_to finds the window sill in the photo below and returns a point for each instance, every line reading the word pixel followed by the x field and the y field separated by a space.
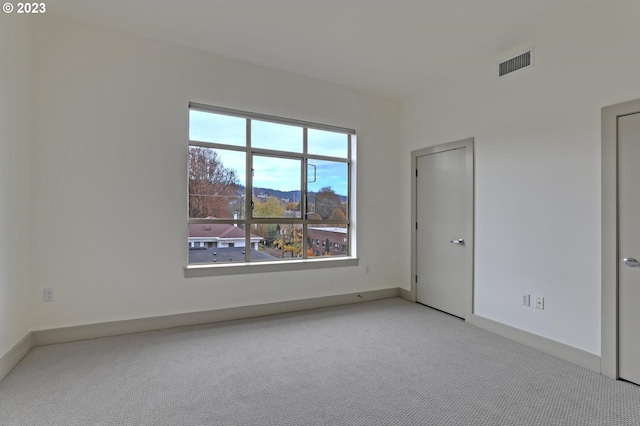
pixel 210 270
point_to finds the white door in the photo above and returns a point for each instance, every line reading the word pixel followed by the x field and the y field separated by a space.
pixel 629 247
pixel 443 237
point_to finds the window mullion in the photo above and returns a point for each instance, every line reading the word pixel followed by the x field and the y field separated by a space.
pixel 327 158
pixel 277 220
pixel 248 194
pixel 275 153
pixel 214 145
pixel 351 198
pixel 303 193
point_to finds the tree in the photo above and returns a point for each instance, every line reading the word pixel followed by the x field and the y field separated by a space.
pixel 327 246
pixel 212 186
pixel 338 214
pixel 293 206
pixel 271 207
pixel 290 237
pixel 327 201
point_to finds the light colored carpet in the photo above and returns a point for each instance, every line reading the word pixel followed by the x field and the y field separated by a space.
pixel 388 362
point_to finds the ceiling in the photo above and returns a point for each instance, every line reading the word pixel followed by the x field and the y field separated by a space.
pixel 382 46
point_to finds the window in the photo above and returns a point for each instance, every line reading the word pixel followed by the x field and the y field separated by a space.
pixel 274 185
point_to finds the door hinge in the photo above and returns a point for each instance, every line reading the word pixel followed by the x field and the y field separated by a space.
pixel 416 225
pixel 416 278
pixel 416 172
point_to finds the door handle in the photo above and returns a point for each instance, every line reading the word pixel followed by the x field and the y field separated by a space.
pixel 461 242
pixel 630 261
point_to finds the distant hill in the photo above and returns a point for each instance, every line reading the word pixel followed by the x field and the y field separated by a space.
pixel 291 195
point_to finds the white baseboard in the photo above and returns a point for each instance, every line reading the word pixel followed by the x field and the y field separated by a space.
pixel 15 355
pixel 114 328
pixel 563 351
pixel 406 294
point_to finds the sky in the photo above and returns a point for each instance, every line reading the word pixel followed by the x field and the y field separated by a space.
pixel 270 172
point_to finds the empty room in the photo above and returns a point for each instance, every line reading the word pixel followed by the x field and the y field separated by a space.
pixel 305 212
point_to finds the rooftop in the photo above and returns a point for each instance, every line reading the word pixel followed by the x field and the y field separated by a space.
pixel 224 254
pixel 329 229
pixel 217 230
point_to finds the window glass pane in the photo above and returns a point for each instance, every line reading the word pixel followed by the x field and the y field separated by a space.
pixel 216 183
pixel 328 187
pixel 275 136
pixel 327 240
pixel 321 142
pixel 219 243
pixel 276 187
pixel 279 241
pixel 217 128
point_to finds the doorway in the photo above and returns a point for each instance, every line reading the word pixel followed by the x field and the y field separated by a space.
pixel 442 227
pixel 620 353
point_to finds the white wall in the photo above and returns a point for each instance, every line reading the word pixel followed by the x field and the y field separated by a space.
pixel 15 141
pixel 109 170
pixel 537 137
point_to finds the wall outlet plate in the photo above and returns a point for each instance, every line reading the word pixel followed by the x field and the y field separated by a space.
pixel 526 299
pixel 49 295
pixel 539 302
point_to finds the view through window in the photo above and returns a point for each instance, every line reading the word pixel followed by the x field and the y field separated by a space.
pixel 265 188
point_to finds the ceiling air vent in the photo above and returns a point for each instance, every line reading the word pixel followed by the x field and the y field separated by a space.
pixel 516 63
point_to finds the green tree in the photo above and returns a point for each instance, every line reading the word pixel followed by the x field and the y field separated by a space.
pixel 271 207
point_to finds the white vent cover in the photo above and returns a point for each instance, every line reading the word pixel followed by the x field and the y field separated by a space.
pixel 518 62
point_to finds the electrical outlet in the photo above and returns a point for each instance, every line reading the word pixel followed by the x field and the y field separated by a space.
pixel 367 269
pixel 526 299
pixel 539 302
pixel 49 295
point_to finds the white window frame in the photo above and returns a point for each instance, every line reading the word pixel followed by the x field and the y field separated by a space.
pixel 213 269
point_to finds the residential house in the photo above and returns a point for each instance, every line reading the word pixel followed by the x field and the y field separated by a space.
pixel 219 235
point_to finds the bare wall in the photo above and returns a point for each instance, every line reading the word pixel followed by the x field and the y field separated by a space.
pixel 15 205
pixel 109 175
